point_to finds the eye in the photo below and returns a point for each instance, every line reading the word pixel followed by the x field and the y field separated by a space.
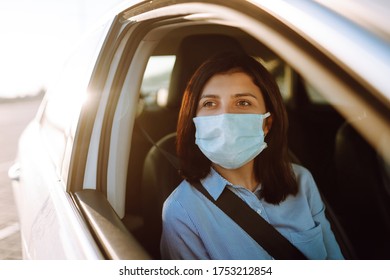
pixel 243 103
pixel 208 104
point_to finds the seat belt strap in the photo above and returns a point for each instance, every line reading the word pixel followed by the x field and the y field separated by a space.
pixel 259 229
pixel 172 159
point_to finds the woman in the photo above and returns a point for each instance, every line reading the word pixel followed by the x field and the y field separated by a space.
pixel 232 132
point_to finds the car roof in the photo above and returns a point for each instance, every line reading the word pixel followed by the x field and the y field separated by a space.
pixel 369 14
pixel 342 31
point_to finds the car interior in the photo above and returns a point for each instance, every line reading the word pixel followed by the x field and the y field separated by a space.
pixel 349 173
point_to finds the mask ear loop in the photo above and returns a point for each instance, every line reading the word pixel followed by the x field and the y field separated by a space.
pixel 266 115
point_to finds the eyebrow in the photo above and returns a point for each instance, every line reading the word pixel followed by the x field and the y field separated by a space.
pixel 208 96
pixel 244 94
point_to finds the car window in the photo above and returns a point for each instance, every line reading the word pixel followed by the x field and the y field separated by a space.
pixel 282 74
pixel 314 95
pixel 155 84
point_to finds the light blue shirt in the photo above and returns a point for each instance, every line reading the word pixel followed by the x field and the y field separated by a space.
pixel 195 228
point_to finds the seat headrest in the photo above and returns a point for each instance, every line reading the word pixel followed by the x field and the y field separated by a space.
pixel 193 51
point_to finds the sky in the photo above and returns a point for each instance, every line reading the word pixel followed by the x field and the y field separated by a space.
pixel 36 36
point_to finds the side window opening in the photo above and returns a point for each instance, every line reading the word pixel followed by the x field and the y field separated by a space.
pixel 282 74
pixel 314 95
pixel 155 83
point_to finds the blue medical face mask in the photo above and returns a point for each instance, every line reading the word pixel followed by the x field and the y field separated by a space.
pixel 230 140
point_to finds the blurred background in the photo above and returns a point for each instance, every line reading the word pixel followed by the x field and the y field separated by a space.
pixel 36 37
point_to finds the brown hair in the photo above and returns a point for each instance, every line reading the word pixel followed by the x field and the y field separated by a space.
pixel 272 166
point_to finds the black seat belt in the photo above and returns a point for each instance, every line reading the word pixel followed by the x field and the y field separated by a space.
pixel 259 229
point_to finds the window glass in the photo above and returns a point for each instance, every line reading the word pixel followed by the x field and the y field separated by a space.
pixel 155 84
pixel 282 74
pixel 315 96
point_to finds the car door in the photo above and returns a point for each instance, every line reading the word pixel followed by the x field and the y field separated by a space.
pixel 51 226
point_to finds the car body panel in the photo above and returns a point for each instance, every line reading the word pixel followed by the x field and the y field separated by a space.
pixel 51 227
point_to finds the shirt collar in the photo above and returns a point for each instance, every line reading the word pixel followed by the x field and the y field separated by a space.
pixel 214 183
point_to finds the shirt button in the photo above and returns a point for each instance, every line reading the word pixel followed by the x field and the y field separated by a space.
pixel 258 211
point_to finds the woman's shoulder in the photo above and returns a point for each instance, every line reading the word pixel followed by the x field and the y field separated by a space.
pixel 174 206
pixel 308 188
pixel 300 171
pixel 182 189
pixel 304 178
pixel 182 195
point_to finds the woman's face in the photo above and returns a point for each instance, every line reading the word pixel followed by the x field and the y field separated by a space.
pixel 232 93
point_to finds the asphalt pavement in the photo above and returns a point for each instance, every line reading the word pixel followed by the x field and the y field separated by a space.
pixel 14 117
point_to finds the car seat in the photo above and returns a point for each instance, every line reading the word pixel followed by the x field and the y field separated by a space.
pixel 160 178
pixel 361 200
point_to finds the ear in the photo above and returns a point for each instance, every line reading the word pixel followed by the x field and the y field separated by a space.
pixel 267 125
